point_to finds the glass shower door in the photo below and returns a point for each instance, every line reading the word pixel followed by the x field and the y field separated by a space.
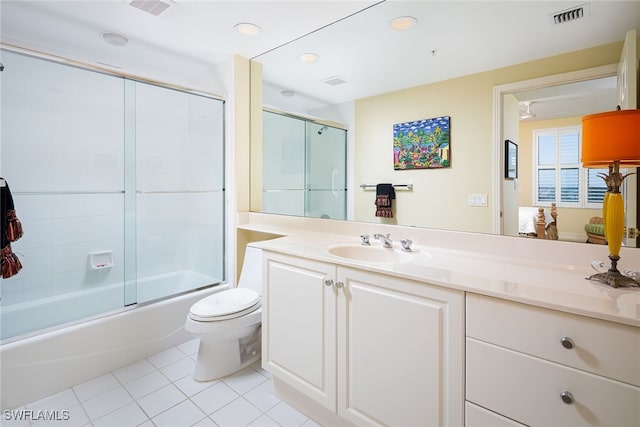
pixel 119 186
pixel 326 165
pixel 283 165
pixel 62 155
pixel 304 168
pixel 179 191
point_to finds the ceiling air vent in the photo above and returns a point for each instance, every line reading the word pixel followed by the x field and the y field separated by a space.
pixel 154 7
pixel 334 81
pixel 570 15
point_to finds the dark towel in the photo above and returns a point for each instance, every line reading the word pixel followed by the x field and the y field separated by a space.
pixel 10 231
pixel 385 193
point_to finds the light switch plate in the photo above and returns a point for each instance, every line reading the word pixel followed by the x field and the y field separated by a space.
pixel 478 199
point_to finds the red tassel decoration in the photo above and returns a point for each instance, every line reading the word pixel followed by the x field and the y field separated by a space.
pixel 14 227
pixel 10 264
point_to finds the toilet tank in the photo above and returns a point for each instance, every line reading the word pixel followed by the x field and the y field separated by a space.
pixel 251 273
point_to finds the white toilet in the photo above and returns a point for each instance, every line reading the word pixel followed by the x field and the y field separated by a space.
pixel 228 323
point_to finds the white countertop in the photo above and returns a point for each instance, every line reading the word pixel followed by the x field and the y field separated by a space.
pixel 539 281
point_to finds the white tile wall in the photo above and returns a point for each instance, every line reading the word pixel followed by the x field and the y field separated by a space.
pixel 178 141
pixel 43 129
pixel 179 231
pixel 59 233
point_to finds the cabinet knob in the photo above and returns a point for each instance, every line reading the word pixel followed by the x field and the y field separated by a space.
pixel 339 285
pixel 567 343
pixel 567 397
pixel 328 282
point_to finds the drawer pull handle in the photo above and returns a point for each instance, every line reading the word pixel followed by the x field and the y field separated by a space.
pixel 328 282
pixel 339 285
pixel 567 397
pixel 567 343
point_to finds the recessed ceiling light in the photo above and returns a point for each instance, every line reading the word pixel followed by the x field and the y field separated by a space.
pixel 308 57
pixel 402 23
pixel 115 39
pixel 247 29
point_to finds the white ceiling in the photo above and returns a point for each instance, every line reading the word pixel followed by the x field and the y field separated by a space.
pixel 192 37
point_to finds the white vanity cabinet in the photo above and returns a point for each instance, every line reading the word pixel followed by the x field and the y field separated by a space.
pixel 299 326
pixel 371 348
pixel 542 367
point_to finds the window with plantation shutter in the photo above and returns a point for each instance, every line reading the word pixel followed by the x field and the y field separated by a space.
pixel 559 177
pixel 596 187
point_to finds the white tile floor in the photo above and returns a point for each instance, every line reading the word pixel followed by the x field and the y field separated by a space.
pixel 159 391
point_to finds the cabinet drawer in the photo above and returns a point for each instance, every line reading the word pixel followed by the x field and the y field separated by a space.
pixel 475 416
pixel 529 390
pixel 597 346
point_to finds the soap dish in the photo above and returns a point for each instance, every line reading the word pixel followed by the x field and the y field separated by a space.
pixel 100 260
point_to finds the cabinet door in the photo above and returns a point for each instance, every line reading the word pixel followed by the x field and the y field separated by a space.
pixel 298 326
pixel 400 352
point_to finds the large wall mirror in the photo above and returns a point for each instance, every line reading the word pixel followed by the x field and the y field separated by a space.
pixel 367 77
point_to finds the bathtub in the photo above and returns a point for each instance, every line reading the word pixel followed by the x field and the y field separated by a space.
pixel 40 365
pixel 28 317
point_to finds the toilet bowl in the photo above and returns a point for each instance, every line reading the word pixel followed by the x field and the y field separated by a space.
pixel 228 323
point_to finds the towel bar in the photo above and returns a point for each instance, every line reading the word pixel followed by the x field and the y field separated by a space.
pixel 408 187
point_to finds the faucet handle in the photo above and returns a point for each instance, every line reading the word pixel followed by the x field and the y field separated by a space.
pixel 406 245
pixel 365 239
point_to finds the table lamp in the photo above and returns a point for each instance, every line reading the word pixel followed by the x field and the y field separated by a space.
pixel 612 140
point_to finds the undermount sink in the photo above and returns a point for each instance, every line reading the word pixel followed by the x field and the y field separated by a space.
pixel 370 253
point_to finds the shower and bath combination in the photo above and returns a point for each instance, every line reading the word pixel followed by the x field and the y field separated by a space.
pixel 101 204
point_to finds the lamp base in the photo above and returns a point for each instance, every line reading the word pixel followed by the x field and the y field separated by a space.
pixel 613 277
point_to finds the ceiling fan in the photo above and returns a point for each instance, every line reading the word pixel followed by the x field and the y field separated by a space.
pixel 527 114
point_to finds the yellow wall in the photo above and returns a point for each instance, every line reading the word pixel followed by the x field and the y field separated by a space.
pixel 440 196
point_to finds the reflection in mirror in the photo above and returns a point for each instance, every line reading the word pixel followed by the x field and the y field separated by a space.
pixel 549 147
pixel 304 167
pixel 370 78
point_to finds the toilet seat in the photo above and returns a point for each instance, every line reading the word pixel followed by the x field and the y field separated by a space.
pixel 224 305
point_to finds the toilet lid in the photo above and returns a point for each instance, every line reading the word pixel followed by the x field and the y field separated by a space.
pixel 230 301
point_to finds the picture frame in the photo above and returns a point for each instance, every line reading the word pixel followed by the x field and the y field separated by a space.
pixel 510 159
pixel 422 144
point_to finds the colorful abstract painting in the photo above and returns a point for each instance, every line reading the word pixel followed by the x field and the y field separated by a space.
pixel 423 144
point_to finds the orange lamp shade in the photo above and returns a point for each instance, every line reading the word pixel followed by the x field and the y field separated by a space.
pixel 611 136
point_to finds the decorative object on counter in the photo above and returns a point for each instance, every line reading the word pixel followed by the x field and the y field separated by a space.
pixel 595 231
pixel 510 160
pixel 384 197
pixel 11 231
pixel 422 144
pixel 612 139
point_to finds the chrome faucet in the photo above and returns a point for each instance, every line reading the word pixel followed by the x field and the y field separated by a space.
pixel 406 245
pixel 384 238
pixel 364 239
